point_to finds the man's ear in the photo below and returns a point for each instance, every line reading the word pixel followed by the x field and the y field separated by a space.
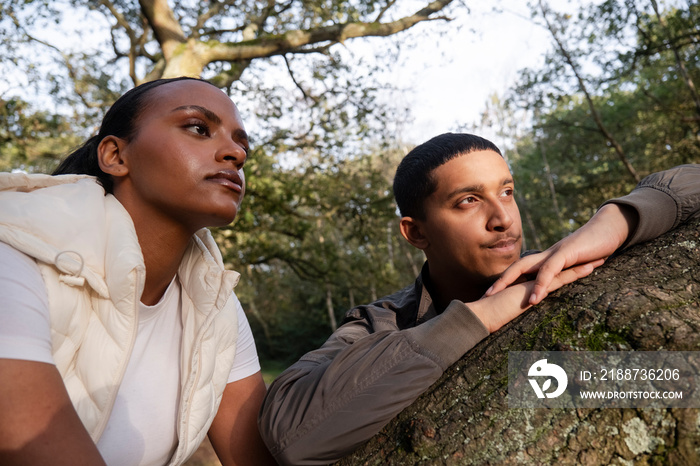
pixel 412 230
pixel 110 153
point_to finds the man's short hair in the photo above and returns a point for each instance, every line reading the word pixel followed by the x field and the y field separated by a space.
pixel 414 180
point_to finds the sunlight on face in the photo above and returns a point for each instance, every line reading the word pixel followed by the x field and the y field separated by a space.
pixel 472 220
pixel 186 161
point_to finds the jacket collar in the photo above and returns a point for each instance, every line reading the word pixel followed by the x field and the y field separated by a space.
pixel 202 273
pixel 422 288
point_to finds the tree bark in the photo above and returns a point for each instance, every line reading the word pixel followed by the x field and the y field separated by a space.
pixel 646 299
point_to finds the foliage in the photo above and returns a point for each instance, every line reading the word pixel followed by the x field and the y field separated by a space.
pixel 30 140
pixel 318 228
pixel 93 48
pixel 336 230
pixel 630 63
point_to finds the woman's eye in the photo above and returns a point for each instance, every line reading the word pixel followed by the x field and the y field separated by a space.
pixel 198 128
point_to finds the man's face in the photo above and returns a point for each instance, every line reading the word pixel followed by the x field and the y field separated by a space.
pixel 472 224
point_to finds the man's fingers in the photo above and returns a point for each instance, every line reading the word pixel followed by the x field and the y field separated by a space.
pixel 545 276
pixel 546 282
pixel 513 273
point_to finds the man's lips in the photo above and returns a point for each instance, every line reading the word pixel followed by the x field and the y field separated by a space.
pixel 229 179
pixel 505 244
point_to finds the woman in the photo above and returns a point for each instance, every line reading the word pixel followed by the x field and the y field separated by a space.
pixel 121 341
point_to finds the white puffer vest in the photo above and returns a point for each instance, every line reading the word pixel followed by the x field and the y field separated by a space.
pixel 87 250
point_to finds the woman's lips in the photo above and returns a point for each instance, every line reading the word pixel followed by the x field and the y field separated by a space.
pixel 229 179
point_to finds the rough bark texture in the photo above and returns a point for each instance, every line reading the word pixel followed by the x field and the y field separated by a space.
pixel 645 299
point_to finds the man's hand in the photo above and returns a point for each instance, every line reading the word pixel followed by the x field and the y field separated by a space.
pixel 498 309
pixel 604 233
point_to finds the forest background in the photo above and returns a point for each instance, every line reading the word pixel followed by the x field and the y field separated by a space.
pixel 324 96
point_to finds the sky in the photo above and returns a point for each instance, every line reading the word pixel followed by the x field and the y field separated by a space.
pixel 453 80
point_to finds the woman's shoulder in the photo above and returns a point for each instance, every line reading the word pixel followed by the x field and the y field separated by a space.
pixel 27 182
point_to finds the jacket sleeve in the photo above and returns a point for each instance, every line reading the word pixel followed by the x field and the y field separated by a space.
pixel 338 396
pixel 663 201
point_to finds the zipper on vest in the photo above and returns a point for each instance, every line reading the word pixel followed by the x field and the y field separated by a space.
pixel 185 406
pixel 184 412
pixel 138 282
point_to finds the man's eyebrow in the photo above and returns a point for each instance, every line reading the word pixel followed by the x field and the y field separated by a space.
pixel 466 189
pixel 475 188
pixel 203 110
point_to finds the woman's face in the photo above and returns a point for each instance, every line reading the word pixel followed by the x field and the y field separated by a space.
pixel 185 163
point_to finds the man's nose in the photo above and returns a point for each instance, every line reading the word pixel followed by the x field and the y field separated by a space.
pixel 500 219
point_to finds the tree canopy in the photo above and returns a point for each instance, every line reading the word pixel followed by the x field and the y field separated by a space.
pixel 614 101
pixel 317 232
pixel 217 40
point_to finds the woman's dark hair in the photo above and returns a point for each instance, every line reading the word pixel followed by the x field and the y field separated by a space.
pixel 120 121
pixel 414 180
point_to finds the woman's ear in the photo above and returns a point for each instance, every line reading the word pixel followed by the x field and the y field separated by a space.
pixel 412 230
pixel 110 156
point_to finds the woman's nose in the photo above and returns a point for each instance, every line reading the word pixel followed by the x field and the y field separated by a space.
pixel 232 151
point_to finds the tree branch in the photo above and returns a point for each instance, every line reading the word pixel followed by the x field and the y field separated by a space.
pixel 296 83
pixel 225 78
pixel 214 10
pixel 582 86
pixel 267 46
pixel 134 41
pixel 388 5
pixel 64 57
pixel 166 28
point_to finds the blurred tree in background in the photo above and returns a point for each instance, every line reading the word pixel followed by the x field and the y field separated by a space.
pixel 32 140
pixel 318 230
pixel 615 101
pixel 312 252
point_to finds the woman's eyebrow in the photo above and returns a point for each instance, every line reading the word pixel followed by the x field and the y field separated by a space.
pixel 213 117
pixel 241 134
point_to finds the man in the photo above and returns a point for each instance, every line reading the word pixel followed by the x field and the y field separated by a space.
pixel 455 194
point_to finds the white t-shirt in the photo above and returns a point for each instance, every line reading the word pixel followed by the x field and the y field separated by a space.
pixel 142 426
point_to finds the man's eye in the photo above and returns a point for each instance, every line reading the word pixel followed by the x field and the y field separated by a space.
pixel 468 200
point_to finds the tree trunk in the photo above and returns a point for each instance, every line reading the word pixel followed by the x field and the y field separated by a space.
pixel 645 300
pixel 552 188
pixel 594 112
pixel 329 308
